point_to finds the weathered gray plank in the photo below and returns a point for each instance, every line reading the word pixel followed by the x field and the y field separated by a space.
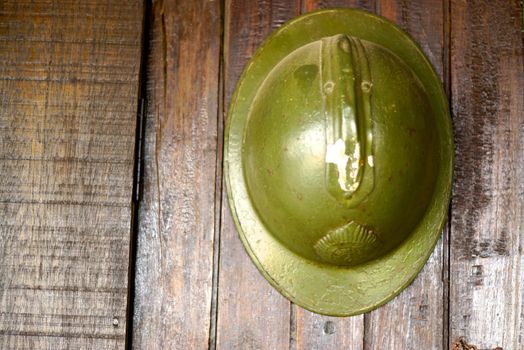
pixel 251 314
pixel 176 221
pixel 322 332
pixel 415 319
pixel 487 88
pixel 68 97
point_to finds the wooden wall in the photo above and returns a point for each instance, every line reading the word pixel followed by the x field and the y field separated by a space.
pixel 68 103
pixel 70 80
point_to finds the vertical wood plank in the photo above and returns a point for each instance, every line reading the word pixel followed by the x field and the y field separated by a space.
pixel 68 95
pixel 415 319
pixel 176 219
pixel 425 22
pixel 314 331
pixel 251 314
pixel 322 332
pixel 311 5
pixel 487 85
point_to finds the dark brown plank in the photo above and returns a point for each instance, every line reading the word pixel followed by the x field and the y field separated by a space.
pixel 251 314
pixel 487 88
pixel 311 5
pixel 314 331
pixel 176 221
pixel 68 90
pixel 425 22
pixel 415 319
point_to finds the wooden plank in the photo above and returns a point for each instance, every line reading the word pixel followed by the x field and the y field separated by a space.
pixel 425 22
pixel 313 331
pixel 487 86
pixel 68 94
pixel 251 314
pixel 176 220
pixel 322 332
pixel 311 5
pixel 415 319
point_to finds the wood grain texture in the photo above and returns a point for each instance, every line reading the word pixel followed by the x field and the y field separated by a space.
pixel 311 5
pixel 176 217
pixel 415 319
pixel 425 21
pixel 318 332
pixel 251 314
pixel 68 94
pixel 487 85
pixel 68 101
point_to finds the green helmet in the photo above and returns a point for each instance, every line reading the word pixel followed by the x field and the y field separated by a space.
pixel 338 160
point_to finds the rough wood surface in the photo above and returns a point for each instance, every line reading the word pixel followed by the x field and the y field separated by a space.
pixel 425 21
pixel 415 319
pixel 176 220
pixel 310 5
pixel 317 332
pixel 68 97
pixel 251 314
pixel 487 88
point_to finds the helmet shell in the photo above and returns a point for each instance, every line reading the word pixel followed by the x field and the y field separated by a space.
pixel 338 158
pixel 346 92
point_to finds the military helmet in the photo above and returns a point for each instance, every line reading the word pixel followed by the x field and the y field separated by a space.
pixel 338 159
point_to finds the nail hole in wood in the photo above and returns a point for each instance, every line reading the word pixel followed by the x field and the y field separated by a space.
pixel 329 328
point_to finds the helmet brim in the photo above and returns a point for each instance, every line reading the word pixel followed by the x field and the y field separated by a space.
pixel 323 288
